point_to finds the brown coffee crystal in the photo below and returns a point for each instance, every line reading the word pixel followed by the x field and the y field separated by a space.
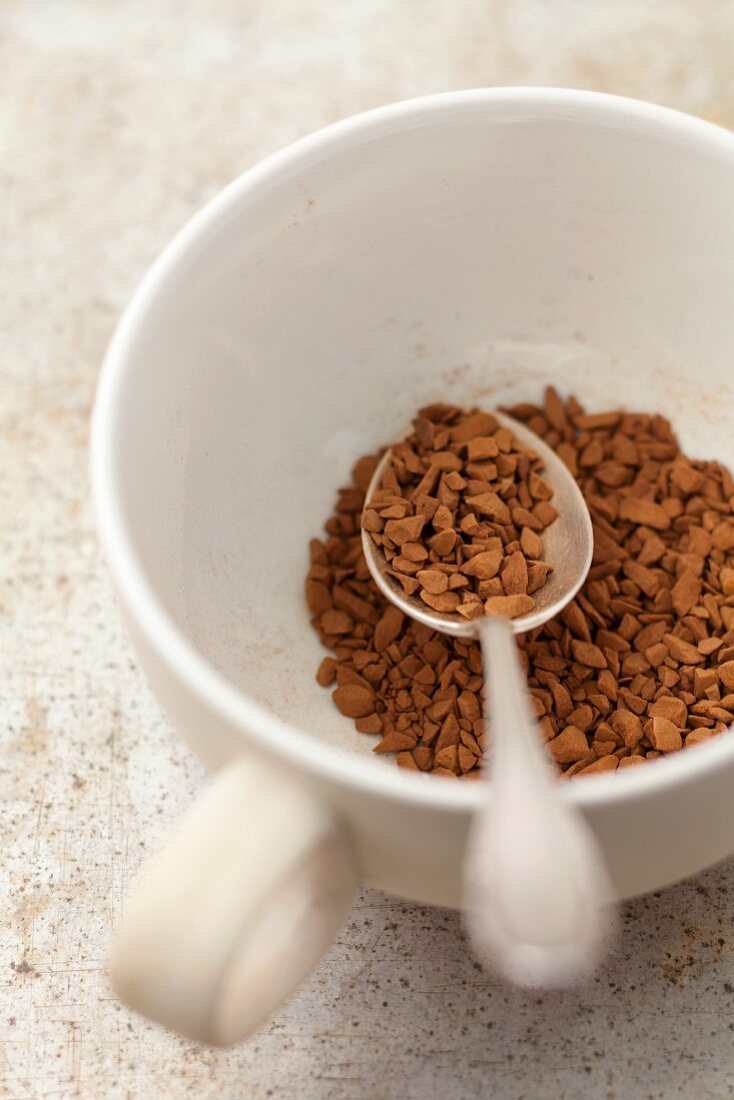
pixel 639 665
pixel 458 512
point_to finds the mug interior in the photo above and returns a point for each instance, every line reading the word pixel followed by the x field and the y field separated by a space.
pixel 470 248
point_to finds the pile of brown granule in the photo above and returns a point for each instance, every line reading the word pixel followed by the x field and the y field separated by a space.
pixel 639 664
pixel 457 515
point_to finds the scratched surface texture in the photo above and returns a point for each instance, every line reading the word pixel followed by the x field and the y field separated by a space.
pixel 117 120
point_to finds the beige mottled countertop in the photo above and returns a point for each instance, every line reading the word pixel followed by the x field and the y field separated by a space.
pixel 118 118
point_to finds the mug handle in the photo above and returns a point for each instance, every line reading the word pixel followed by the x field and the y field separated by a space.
pixel 230 916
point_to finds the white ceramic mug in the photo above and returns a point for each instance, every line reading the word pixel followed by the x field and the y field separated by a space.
pixel 470 247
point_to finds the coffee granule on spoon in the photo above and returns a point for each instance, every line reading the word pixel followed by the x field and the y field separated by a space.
pixel 458 512
pixel 639 665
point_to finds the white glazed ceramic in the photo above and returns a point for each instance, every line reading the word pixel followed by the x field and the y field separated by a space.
pixel 471 247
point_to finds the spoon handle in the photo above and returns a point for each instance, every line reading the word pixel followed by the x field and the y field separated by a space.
pixel 535 880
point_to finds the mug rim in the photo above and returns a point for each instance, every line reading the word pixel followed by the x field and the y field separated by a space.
pixel 184 661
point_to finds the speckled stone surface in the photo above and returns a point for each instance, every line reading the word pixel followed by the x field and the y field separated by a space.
pixel 117 120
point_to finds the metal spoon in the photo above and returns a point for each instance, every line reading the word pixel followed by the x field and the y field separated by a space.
pixel 535 883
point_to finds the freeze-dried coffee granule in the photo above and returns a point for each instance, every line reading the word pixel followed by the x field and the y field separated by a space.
pixel 457 515
pixel 640 664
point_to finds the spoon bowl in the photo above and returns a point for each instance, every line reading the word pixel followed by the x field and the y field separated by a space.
pixel 568 545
